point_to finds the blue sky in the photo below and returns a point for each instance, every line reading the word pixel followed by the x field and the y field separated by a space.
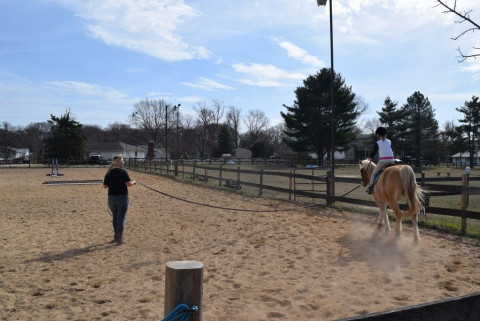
pixel 100 57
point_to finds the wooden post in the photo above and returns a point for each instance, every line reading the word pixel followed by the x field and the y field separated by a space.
pixel 313 187
pixel 464 202
pixel 176 168
pixel 238 177
pixel 294 186
pixel 423 179
pixel 330 188
pixel 290 186
pixel 184 285
pixel 194 170
pixel 261 182
pixel 220 175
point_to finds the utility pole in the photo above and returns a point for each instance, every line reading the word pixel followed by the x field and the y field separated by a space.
pixel 166 133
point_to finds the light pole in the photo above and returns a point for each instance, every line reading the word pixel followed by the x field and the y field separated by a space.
pixel 332 79
pixel 166 129
pixel 178 111
pixel 166 133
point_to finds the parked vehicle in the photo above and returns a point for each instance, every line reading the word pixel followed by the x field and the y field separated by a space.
pixel 96 160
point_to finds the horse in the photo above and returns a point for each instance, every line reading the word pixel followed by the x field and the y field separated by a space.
pixel 396 183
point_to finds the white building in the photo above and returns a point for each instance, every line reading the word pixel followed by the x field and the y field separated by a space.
pixel 463 159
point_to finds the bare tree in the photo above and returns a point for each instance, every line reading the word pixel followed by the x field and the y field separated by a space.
pixel 218 110
pixel 206 117
pixel 256 121
pixel 464 17
pixel 233 122
pixel 150 115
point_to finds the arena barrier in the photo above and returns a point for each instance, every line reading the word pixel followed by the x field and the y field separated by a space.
pixel 463 308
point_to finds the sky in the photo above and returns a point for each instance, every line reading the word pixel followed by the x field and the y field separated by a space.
pixel 99 57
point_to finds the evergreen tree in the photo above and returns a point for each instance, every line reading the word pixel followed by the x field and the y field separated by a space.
pixel 308 121
pixel 471 125
pixel 420 127
pixel 391 118
pixel 66 140
pixel 224 141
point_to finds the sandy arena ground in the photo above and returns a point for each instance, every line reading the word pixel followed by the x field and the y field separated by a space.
pixel 56 262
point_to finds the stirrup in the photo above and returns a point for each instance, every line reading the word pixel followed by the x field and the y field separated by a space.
pixel 370 189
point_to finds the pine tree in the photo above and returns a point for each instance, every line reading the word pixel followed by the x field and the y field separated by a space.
pixel 471 125
pixel 308 121
pixel 420 127
pixel 66 140
pixel 391 118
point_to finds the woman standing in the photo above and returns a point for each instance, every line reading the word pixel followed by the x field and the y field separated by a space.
pixel 117 181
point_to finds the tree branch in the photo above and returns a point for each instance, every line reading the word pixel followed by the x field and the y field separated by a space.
pixel 465 17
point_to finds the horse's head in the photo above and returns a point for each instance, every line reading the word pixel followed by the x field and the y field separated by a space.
pixel 366 169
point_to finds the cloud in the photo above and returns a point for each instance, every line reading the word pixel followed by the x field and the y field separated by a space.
pixel 147 26
pixel 207 84
pixel 265 75
pixel 85 89
pixel 298 53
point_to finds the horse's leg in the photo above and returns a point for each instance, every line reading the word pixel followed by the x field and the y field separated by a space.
pixel 380 216
pixel 383 217
pixel 416 235
pixel 398 218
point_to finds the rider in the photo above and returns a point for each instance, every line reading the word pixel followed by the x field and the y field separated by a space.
pixel 384 148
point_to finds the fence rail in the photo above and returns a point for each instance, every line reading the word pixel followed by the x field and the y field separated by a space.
pixel 287 183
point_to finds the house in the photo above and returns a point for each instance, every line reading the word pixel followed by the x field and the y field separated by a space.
pixel 110 149
pixel 15 154
pixel 463 159
pixel 157 153
pixel 242 153
pixel 360 148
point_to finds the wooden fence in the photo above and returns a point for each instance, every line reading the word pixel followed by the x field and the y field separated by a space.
pixel 322 187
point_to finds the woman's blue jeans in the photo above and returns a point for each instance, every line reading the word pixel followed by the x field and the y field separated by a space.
pixel 118 205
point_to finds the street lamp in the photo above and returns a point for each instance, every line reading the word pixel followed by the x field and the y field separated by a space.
pixel 166 129
pixel 332 79
pixel 178 111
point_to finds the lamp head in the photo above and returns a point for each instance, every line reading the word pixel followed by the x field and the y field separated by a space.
pixel 322 2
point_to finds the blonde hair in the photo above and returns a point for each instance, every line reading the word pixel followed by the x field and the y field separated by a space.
pixel 115 160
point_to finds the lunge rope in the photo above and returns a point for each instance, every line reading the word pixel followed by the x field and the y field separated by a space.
pixel 214 206
pixel 181 312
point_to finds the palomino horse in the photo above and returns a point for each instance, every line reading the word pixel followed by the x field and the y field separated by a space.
pixel 395 184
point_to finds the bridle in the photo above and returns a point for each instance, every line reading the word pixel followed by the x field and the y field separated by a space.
pixel 363 171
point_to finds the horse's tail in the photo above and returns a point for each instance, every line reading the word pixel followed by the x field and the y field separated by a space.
pixel 413 193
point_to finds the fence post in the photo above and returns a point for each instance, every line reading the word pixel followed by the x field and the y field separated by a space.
pixel 294 186
pixel 330 187
pixel 290 186
pixel 194 169
pixel 238 177
pixel 220 175
pixel 464 202
pixel 261 182
pixel 176 168
pixel 184 285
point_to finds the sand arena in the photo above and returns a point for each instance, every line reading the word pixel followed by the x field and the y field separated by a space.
pixel 56 262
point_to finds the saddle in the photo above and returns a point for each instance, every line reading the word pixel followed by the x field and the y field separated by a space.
pixel 381 172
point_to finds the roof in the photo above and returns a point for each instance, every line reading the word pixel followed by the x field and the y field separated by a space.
pixel 113 147
pixel 465 154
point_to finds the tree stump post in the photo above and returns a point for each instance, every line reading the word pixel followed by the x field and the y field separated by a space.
pixel 184 285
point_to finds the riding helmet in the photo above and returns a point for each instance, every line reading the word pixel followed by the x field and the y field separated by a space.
pixel 382 131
